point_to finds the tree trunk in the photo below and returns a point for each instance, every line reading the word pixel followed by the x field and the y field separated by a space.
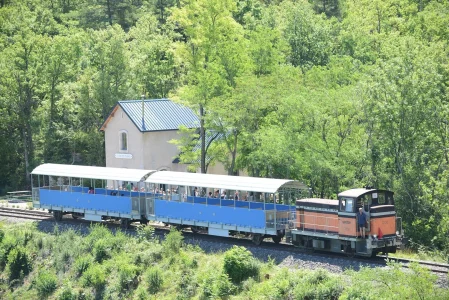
pixel 203 140
pixel 109 11
pixel 232 170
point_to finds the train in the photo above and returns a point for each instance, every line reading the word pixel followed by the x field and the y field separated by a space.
pixel 221 205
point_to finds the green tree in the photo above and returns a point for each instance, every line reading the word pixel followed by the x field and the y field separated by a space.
pixel 212 36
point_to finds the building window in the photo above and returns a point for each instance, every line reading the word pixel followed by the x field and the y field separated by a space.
pixel 123 141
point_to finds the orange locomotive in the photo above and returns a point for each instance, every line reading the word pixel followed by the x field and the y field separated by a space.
pixel 332 225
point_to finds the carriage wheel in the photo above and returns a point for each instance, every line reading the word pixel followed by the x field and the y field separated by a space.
pixel 195 229
pixel 276 239
pixel 124 223
pixel 57 214
pixel 257 239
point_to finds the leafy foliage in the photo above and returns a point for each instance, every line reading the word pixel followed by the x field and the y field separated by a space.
pixel 173 242
pixel 239 264
pixel 18 263
pixel 46 283
pixel 154 279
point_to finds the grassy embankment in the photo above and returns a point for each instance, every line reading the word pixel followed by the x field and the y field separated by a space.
pixel 106 265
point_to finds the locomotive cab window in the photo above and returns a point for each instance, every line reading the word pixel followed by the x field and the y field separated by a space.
pixel 347 204
pixel 381 198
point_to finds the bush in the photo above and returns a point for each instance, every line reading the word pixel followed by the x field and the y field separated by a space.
pixel 46 283
pixel 101 251
pixel 67 293
pixel 173 242
pixel 240 264
pixel 145 233
pixel 19 263
pixel 141 294
pixel 9 243
pixel 82 264
pixel 127 275
pixel 216 286
pixel 94 277
pixel 154 279
pixel 2 234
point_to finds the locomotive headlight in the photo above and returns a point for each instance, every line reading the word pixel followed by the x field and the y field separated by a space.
pixel 397 232
pixel 375 236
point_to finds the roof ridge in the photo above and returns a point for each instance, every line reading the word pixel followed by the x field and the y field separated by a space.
pixel 145 100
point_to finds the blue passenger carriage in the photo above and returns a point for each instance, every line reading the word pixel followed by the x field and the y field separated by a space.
pixel 224 205
pixel 92 193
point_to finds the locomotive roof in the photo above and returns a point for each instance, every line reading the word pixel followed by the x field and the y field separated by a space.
pixel 92 172
pixel 254 184
pixel 354 193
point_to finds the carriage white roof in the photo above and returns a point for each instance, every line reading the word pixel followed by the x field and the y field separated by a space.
pixel 92 172
pixel 243 183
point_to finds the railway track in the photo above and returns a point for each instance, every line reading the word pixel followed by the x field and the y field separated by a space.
pixel 267 245
pixel 24 214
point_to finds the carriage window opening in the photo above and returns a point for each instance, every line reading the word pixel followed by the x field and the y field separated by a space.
pixel 123 141
pixel 343 205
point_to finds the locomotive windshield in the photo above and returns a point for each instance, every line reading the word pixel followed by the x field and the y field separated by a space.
pixel 346 204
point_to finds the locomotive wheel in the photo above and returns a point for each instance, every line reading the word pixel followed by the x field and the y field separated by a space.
pixel 349 251
pixel 257 239
pixel 57 214
pixel 276 239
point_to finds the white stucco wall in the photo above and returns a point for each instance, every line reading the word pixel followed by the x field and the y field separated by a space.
pixel 120 121
pixel 159 153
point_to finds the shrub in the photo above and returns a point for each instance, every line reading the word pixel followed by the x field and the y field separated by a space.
pixel 67 293
pixel 127 274
pixel 82 264
pixel 101 251
pixel 9 243
pixel 2 234
pixel 216 286
pixel 154 279
pixel 39 242
pixel 94 277
pixel 145 233
pixel 46 283
pixel 141 293
pixel 240 264
pixel 173 242
pixel 19 263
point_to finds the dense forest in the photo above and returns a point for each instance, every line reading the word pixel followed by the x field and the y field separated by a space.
pixel 335 93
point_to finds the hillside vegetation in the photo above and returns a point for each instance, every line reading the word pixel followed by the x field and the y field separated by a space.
pixel 106 265
pixel 335 93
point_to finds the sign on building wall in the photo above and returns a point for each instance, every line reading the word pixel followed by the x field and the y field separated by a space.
pixel 123 155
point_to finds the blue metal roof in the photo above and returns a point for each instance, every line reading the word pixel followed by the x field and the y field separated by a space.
pixel 159 114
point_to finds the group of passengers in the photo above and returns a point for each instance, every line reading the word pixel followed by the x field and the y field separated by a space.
pixel 249 196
